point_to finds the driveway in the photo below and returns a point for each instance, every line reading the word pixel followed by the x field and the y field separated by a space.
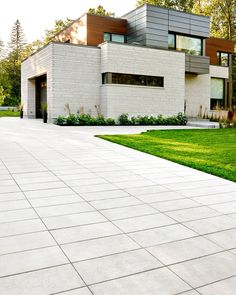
pixel 82 216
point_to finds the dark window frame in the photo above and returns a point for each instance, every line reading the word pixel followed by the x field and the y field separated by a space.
pixel 224 100
pixel 134 79
pixel 185 35
pixel 110 39
pixel 219 58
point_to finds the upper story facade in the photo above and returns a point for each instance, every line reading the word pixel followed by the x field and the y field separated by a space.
pixel 155 27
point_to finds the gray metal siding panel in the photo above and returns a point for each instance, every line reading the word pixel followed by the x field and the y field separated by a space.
pixel 152 23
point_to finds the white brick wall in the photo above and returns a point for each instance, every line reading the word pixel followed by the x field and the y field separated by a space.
pixel 36 65
pixel 76 78
pixel 197 94
pixel 142 100
pixel 198 90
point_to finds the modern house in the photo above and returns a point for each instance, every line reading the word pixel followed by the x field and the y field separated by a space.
pixel 150 61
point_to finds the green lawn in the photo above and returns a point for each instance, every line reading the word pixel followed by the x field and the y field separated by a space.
pixel 212 151
pixel 9 113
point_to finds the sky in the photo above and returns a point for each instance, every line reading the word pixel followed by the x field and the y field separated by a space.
pixel 37 16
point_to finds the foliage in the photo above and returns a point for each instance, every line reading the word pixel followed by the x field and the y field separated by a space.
pixel 84 120
pixel 44 107
pixel 100 10
pixel 9 113
pixel 223 16
pixel 180 119
pixel 183 5
pixel 188 147
pixel 59 25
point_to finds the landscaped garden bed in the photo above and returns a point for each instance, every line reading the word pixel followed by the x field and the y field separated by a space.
pixel 124 119
pixel 212 150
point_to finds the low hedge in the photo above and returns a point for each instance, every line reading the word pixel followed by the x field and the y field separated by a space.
pixel 180 119
pixel 84 120
pixel 124 119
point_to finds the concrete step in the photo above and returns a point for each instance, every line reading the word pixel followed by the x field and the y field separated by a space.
pixel 203 124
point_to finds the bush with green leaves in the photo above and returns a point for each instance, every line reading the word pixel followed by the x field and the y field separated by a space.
pixel 180 119
pixel 88 120
pixel 84 120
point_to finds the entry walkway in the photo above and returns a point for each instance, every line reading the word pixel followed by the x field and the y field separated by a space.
pixel 80 216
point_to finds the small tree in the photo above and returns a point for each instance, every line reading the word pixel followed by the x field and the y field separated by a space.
pixel 100 10
pixel 59 25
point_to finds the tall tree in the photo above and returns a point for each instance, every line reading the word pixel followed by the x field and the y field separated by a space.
pixel 223 16
pixel 100 10
pixel 183 5
pixel 17 40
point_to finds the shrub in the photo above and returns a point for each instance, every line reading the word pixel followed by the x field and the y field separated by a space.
pixel 182 119
pixel 110 121
pixel 124 119
pixel 61 120
pixel 72 120
pixel 84 119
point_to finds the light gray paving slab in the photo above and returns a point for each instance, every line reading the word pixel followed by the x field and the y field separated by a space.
pixel 64 209
pixel 94 188
pixel 73 220
pixel 217 198
pixel 162 235
pixel 115 266
pixel 225 287
pixel 175 205
pixel 20 262
pixel 42 185
pixel 179 251
pixel 126 212
pixel 12 197
pixel 25 242
pixel 226 239
pixel 49 193
pixel 210 225
pixel 21 227
pixel 14 205
pixel 17 215
pixel 85 232
pixel 192 214
pixel 143 222
pixel 115 203
pixel 160 281
pixel 206 270
pixel 99 247
pixel 58 200
pixel 81 291
pixel 42 282
pixel 104 195
pixel 152 189
pixel 225 208
pixel 159 197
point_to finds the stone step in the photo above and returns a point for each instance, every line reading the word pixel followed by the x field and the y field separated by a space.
pixel 203 124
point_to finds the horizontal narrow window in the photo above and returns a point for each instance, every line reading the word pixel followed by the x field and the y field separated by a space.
pixel 114 37
pixel 129 79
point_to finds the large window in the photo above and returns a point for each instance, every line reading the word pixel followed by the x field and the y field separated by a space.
pixel 188 44
pixel 128 79
pixel 223 59
pixel 217 93
pixel 114 37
